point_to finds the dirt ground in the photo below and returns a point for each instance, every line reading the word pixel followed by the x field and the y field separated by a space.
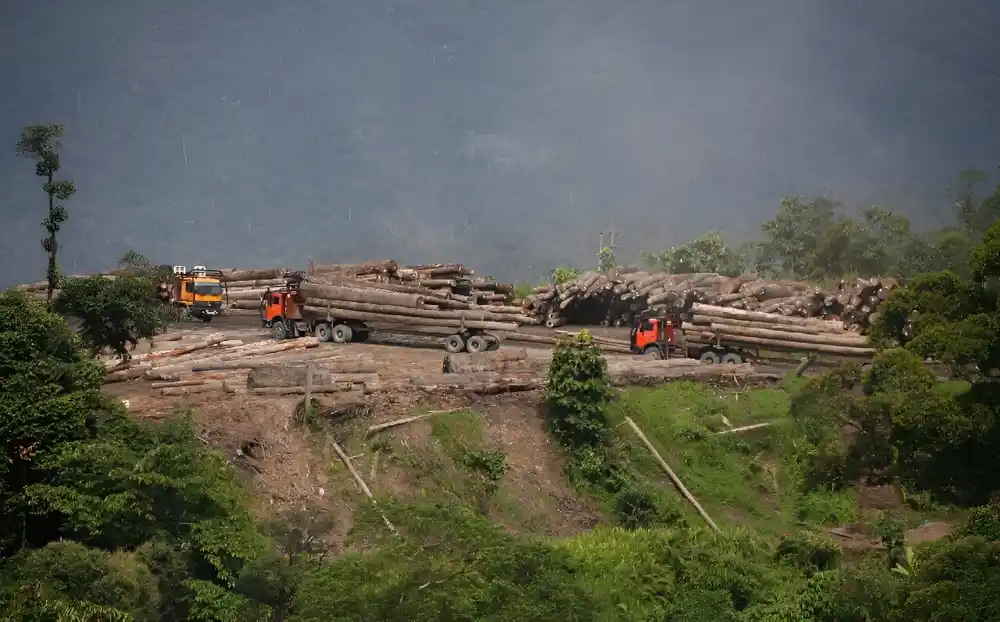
pixel 289 468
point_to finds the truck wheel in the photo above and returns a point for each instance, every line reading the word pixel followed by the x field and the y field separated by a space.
pixel 323 333
pixel 476 344
pixel 454 344
pixel 732 359
pixel 342 333
pixel 709 357
pixel 279 330
pixel 652 352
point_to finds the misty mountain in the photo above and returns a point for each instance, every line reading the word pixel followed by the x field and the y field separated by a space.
pixel 505 135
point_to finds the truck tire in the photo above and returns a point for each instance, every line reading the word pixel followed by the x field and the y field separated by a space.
pixel 732 358
pixel 652 352
pixel 279 330
pixel 454 344
pixel 323 333
pixel 709 357
pixel 342 333
pixel 476 344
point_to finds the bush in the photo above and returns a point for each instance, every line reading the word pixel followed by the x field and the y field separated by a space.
pixel 897 370
pixel 983 522
pixel 578 392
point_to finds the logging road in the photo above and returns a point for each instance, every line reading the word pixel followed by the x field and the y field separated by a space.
pixel 243 323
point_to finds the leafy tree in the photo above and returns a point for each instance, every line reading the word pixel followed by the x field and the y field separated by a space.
pixel 49 395
pixel 975 213
pixel 116 313
pixel 792 237
pixel 41 143
pixel 707 253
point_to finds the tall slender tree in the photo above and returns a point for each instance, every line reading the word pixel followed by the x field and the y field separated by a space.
pixel 41 144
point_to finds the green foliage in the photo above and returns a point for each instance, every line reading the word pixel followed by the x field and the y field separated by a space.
pixel 578 392
pixel 897 370
pixel 41 144
pixel 606 259
pixel 448 564
pixel 562 275
pixel 809 552
pixel 986 256
pixel 983 522
pixel 707 253
pixel 79 574
pixel 114 313
pixel 957 581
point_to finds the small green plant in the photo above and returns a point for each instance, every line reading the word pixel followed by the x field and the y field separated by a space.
pixel 562 275
pixel 578 393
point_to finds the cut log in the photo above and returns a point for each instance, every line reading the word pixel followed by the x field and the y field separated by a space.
pixel 236 274
pixel 335 293
pixel 469 315
pixel 843 339
pixel 294 375
pixel 379 267
pixel 342 387
pixel 784 344
pixel 509 359
pixel 706 320
pixel 363 316
pixel 738 314
pixel 477 383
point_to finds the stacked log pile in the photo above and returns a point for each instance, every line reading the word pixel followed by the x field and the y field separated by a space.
pixel 709 324
pixel 615 298
pixel 452 281
pixel 214 363
pixel 244 287
pixel 403 305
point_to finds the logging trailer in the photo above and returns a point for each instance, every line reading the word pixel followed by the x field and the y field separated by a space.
pixel 660 336
pixel 287 319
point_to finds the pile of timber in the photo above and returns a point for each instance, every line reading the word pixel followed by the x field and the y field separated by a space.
pixel 388 304
pixel 491 375
pixel 615 298
pixel 708 324
pixel 508 360
pixel 214 363
pixel 245 287
pixel 453 281
pixel 359 375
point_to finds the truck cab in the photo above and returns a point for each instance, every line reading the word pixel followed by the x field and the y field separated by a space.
pixel 200 292
pixel 660 336
pixel 657 336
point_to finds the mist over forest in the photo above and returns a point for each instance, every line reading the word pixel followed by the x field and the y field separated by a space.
pixel 503 135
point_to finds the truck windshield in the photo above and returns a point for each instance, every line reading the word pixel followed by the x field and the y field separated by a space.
pixel 207 289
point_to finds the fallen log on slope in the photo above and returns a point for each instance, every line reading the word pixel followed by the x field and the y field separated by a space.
pixel 356 371
pixel 507 360
pixel 403 320
pixel 484 383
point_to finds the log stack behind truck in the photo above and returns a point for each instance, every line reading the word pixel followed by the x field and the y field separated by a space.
pixel 344 313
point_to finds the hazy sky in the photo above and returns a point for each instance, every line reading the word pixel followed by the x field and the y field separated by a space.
pixel 503 134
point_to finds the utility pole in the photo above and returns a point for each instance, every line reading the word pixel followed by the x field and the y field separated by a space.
pixel 611 242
